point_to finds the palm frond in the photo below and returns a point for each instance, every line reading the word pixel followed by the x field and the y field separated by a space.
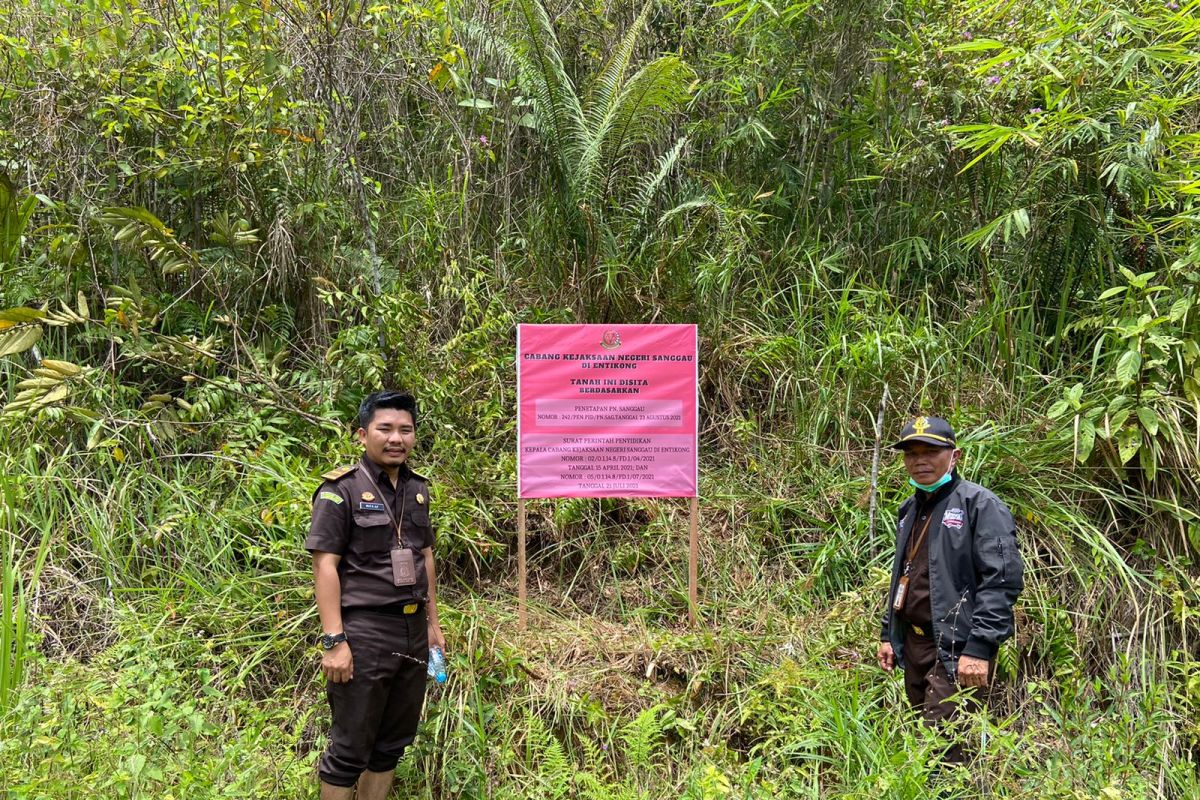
pixel 608 83
pixel 642 107
pixel 649 187
pixel 541 74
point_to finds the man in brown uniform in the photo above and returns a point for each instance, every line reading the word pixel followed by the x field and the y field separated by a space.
pixel 372 548
pixel 956 575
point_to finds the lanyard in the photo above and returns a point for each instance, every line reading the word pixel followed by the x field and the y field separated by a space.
pixel 913 548
pixel 391 511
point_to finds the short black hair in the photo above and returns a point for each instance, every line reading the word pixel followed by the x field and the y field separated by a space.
pixel 401 401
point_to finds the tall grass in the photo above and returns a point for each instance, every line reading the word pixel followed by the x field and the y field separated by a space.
pixel 21 565
pixel 812 200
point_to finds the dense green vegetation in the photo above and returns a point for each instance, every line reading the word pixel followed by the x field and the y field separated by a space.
pixel 221 223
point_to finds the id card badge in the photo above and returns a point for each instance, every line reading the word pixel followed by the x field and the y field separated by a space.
pixel 404 571
pixel 901 593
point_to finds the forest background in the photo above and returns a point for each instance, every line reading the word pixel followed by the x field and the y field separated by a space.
pixel 222 222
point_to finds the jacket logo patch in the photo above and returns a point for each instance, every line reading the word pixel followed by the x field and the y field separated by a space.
pixel 331 496
pixel 953 518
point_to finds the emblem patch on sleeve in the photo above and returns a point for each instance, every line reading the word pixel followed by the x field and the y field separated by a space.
pixel 953 518
pixel 331 496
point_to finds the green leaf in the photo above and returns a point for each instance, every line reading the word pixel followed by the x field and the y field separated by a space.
pixel 1058 409
pixel 1113 292
pixel 1128 367
pixel 1087 440
pixel 976 45
pixel 1129 441
pixel 21 314
pixel 1074 395
pixel 1148 459
pixel 476 102
pixel 1180 308
pixel 1149 419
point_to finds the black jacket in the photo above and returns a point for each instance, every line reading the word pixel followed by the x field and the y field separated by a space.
pixel 975 575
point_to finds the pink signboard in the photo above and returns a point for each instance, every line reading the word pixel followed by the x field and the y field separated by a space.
pixel 606 410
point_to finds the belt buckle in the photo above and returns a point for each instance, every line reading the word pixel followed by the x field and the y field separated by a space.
pixel 411 608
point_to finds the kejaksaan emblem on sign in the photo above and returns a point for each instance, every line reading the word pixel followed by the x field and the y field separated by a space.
pixel 611 340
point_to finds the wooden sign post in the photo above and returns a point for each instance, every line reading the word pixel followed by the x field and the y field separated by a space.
pixel 522 614
pixel 693 558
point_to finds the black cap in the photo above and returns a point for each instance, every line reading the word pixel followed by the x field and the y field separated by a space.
pixel 930 430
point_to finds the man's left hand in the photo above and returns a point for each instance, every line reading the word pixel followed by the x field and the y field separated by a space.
pixel 972 671
pixel 436 639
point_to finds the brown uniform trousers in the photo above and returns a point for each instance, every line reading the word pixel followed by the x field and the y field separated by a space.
pixel 375 714
pixel 934 695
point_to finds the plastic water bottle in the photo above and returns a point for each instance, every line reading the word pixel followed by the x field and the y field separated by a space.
pixel 437 665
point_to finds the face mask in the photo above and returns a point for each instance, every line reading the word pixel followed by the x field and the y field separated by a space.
pixel 933 487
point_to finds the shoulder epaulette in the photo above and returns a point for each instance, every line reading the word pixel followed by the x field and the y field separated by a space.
pixel 340 472
pixel 419 476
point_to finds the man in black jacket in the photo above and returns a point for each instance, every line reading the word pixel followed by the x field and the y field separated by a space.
pixel 956 575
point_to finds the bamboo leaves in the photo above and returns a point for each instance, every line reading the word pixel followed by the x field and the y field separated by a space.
pixel 18 337
pixel 1009 227
pixel 22 328
pixel 984 139
pixel 50 383
pixel 138 228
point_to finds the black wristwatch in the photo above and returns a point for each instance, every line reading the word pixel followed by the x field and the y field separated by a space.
pixel 332 640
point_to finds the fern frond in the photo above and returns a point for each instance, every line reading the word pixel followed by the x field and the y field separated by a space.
pixel 642 736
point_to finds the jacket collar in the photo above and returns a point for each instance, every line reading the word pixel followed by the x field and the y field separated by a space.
pixel 924 498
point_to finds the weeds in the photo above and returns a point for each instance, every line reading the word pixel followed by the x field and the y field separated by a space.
pixel 216 237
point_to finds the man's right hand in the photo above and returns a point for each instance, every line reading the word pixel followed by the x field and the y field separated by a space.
pixel 887 658
pixel 338 664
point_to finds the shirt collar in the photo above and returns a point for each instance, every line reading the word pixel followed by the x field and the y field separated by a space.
pixel 380 474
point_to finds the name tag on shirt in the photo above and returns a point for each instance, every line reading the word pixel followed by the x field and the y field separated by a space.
pixel 363 506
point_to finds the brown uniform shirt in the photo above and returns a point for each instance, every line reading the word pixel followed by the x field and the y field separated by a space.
pixel 350 519
pixel 917 610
